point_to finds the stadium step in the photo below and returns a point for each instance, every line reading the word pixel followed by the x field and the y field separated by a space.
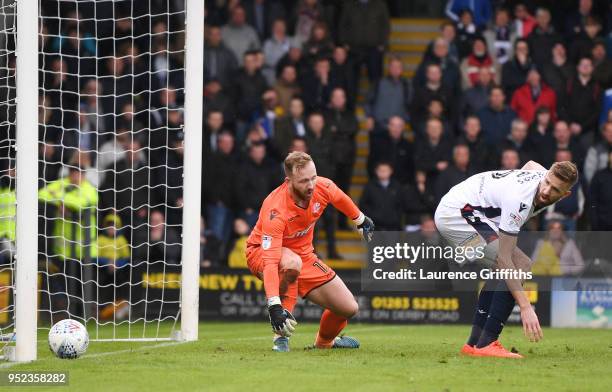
pixel 418 46
pixel 408 58
pixel 409 39
pixel 350 247
pixel 360 180
pixel 361 164
pixel 415 24
pixel 413 35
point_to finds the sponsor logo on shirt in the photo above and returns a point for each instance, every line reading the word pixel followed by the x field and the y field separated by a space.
pixel 501 174
pixel 516 219
pixel 266 241
pixel 529 176
pixel 522 207
pixel 300 233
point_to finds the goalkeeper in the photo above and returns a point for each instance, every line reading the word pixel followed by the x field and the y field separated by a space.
pixel 280 252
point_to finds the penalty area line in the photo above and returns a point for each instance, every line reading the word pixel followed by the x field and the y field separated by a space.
pixel 107 353
pixel 131 350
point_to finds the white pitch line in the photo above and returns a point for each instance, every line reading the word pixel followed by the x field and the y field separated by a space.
pixel 108 353
pixel 130 350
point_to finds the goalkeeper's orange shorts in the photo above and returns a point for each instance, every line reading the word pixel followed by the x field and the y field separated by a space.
pixel 315 273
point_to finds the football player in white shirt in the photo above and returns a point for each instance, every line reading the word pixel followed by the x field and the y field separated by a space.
pixel 488 210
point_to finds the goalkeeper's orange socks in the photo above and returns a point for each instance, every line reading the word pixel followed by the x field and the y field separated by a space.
pixel 331 325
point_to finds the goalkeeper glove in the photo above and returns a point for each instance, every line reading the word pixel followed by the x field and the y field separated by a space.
pixel 282 321
pixel 365 226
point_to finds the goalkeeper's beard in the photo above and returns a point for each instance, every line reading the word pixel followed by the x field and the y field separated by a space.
pixel 303 196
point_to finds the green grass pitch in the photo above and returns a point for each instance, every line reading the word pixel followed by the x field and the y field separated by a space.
pixel 238 357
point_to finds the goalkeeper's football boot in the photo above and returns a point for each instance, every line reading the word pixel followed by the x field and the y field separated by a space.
pixel 467 349
pixel 495 349
pixel 281 344
pixel 345 342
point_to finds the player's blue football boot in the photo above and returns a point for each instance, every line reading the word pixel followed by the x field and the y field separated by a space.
pixel 345 342
pixel 281 344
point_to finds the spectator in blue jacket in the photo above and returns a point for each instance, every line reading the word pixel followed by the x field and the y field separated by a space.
pixel 481 10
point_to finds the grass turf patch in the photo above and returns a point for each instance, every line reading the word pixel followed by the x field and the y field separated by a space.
pixel 238 357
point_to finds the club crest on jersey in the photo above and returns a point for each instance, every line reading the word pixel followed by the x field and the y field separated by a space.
pixel 316 207
pixel 522 207
pixel 266 242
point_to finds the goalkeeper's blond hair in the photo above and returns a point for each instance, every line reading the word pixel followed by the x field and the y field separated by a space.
pixel 295 161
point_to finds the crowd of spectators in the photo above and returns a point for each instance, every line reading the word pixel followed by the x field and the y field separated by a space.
pixel 503 83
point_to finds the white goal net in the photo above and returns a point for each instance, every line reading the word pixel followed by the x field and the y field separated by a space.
pixel 111 150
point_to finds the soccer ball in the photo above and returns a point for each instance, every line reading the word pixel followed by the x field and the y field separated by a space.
pixel 68 339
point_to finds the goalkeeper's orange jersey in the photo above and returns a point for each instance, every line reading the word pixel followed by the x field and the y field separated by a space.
pixel 282 223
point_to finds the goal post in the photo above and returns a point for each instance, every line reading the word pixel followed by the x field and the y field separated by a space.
pixel 106 98
pixel 194 80
pixel 26 264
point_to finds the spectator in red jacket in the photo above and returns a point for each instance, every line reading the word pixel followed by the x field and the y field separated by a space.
pixel 532 95
pixel 479 58
pixel 523 20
